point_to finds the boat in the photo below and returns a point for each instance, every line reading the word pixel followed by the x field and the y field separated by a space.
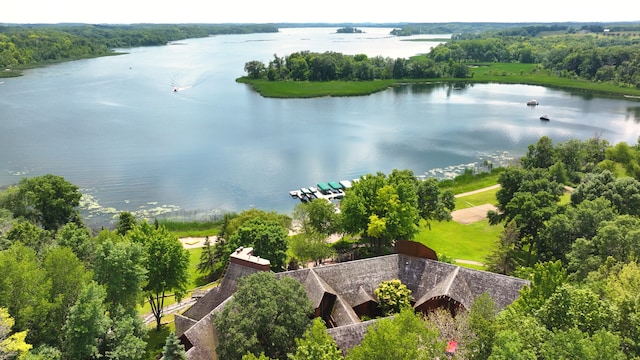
pixel 544 117
pixel 533 102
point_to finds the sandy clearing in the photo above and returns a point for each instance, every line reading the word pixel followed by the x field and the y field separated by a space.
pixel 196 242
pixel 471 215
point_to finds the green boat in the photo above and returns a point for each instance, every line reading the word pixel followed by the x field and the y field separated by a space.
pixel 324 187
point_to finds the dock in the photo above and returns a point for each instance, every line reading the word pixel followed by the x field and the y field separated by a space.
pixel 332 190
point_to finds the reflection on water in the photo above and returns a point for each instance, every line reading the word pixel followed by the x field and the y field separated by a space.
pixel 114 127
pixel 633 112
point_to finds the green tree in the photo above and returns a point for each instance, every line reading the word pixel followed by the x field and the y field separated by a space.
pixel 208 260
pixel 173 349
pixel 79 239
pixel 310 246
pixel 529 198
pixel 233 223
pixel 268 239
pixel 572 307
pixel 564 228
pixel 316 344
pixel 30 235
pixel 621 289
pixel 503 259
pixel 393 296
pixel 12 346
pixel 516 333
pixel 545 279
pixel 623 193
pixel 483 323
pixel 48 200
pixel 250 356
pixel 264 315
pixel 24 289
pixel 119 267
pixel 86 324
pixel 68 277
pixel 382 209
pixel 575 344
pixel 509 346
pixel 6 223
pixel 541 156
pixel 406 336
pixel 166 262
pixel 126 221
pixel 317 215
pixel 433 203
pixel 255 69
pixel 618 239
pixel 124 339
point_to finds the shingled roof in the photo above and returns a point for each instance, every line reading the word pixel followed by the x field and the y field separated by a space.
pixel 350 284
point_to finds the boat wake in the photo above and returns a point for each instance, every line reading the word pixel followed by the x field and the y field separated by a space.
pixel 181 88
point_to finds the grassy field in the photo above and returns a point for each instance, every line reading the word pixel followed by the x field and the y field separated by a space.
pixel 458 241
pixel 307 89
pixel 183 229
pixel 485 197
pixel 514 73
pixel 471 242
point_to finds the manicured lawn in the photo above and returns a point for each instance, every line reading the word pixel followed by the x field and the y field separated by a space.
pixel 458 241
pixel 481 198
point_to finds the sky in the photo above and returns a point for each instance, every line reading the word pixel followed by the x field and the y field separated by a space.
pixel 326 11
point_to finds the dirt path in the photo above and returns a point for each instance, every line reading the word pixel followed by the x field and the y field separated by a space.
pixel 475 213
pixel 478 191
pixel 469 262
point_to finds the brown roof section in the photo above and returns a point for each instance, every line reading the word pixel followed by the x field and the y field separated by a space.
pixel 347 285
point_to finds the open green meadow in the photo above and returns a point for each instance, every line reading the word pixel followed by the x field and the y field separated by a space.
pixel 472 242
pixel 308 89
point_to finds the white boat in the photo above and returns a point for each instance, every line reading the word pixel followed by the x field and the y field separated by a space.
pixel 533 102
pixel 544 117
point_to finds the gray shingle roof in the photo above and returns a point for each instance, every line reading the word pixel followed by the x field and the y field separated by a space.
pixel 353 283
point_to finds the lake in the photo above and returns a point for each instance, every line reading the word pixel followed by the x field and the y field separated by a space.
pixel 114 127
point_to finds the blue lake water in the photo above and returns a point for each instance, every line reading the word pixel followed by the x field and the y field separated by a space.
pixel 114 127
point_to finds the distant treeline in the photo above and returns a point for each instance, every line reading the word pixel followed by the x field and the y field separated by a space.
pixel 505 28
pixel 612 57
pixel 331 66
pixel 23 45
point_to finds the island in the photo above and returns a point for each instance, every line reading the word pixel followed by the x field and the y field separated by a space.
pixel 596 59
pixel 349 30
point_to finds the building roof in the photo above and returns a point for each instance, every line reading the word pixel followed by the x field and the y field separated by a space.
pixel 353 283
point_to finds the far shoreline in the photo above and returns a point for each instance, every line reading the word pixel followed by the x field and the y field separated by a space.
pixel 501 73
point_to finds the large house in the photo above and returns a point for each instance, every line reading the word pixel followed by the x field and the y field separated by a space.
pixel 343 293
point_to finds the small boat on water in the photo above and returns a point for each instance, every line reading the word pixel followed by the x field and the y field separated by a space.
pixel 544 117
pixel 533 102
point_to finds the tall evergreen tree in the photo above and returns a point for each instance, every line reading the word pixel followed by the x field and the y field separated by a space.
pixel 173 349
pixel 207 263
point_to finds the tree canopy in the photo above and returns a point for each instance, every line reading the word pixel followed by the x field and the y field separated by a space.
pixel 48 200
pixel 265 315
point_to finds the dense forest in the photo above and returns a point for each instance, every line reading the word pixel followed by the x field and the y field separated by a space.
pixel 23 45
pixel 588 52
